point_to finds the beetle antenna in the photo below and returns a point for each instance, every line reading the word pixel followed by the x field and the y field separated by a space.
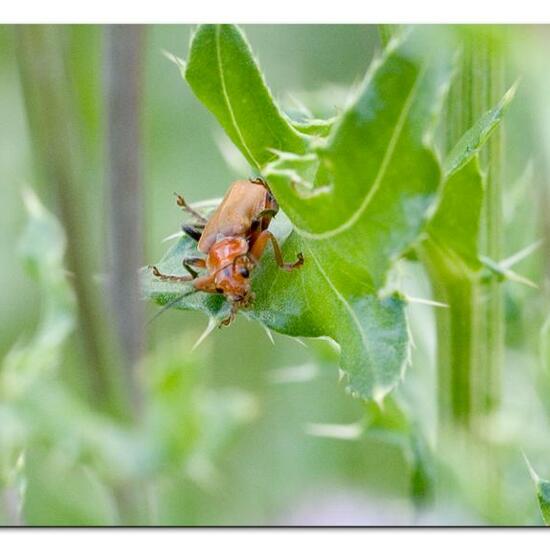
pixel 170 304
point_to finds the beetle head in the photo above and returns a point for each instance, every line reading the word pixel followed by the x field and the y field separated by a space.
pixel 234 280
pixel 233 268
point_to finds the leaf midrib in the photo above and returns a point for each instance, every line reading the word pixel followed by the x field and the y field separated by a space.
pixel 343 300
pixel 227 99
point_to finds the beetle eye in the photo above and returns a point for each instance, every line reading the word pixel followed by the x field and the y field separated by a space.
pixel 244 272
pixel 219 290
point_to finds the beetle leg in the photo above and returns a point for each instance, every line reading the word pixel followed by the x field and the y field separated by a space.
pixel 206 283
pixel 271 202
pixel 193 231
pixel 258 181
pixel 196 262
pixel 267 213
pixel 258 248
pixel 172 278
pixel 180 201
pixel 231 317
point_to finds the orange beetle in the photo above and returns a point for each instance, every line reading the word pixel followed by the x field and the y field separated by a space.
pixel 233 240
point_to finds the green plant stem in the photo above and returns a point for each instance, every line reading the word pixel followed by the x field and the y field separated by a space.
pixel 492 227
pixel 470 332
pixel 485 68
pixel 458 338
pixel 123 76
pixel 493 299
pixel 453 366
pixel 123 85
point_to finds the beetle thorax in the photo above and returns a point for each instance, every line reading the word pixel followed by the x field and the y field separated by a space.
pixel 228 259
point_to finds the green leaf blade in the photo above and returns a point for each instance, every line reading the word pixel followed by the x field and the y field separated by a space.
pixel 371 332
pixel 454 227
pixel 472 141
pixel 223 74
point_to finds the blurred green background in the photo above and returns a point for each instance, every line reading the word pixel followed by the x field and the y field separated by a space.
pixel 235 416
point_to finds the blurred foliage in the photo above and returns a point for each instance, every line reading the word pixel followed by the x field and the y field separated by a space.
pixel 242 431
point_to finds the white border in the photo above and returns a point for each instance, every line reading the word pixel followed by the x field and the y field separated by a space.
pixel 280 11
pixel 268 539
